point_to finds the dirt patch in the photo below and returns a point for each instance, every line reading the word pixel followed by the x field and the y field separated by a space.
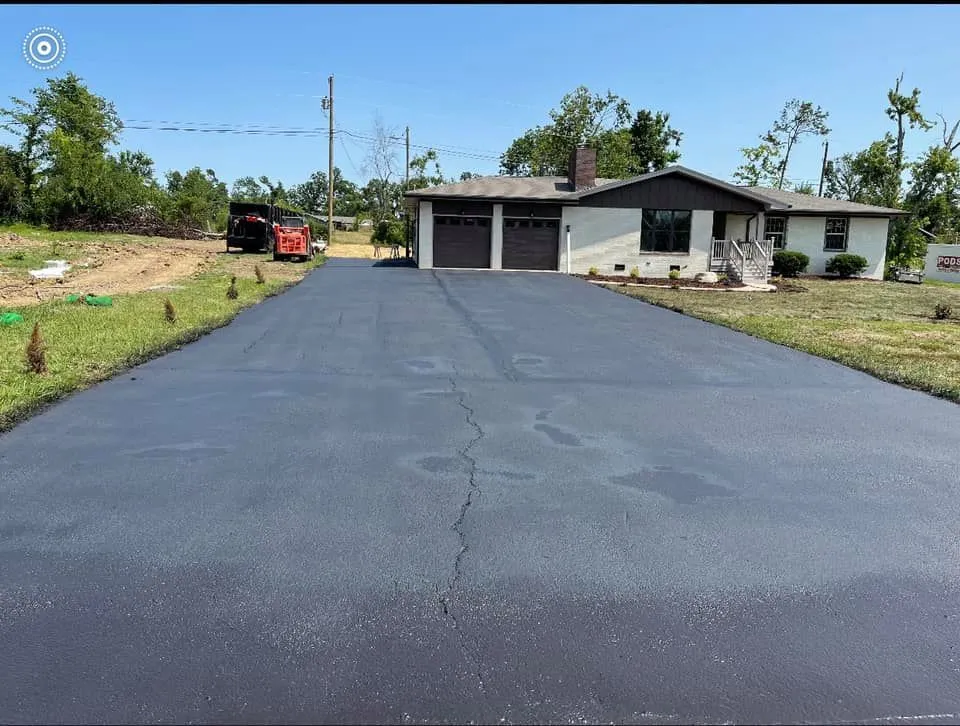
pixel 359 251
pixel 11 240
pixel 663 282
pixel 109 269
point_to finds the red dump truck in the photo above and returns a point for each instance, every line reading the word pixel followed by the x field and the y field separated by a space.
pixel 291 238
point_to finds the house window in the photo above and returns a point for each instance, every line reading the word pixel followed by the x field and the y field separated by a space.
pixel 665 230
pixel 775 228
pixel 835 238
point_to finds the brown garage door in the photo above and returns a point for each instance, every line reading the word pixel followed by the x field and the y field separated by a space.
pixel 461 242
pixel 531 244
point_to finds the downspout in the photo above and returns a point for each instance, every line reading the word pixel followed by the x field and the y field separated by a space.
pixel 749 220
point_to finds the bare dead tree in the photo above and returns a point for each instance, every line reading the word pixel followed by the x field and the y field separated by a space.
pixel 948 137
pixel 383 167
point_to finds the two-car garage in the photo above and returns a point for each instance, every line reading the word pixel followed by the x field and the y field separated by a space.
pixel 464 236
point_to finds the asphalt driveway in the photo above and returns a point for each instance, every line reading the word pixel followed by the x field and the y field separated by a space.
pixel 405 496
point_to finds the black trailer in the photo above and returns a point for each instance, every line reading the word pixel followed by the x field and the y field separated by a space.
pixel 250 225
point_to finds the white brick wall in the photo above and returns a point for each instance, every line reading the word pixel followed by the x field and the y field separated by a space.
pixel 602 237
pixel 865 236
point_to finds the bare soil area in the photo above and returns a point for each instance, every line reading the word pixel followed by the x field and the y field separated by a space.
pixel 113 267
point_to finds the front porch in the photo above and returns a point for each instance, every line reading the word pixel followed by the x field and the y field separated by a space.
pixel 746 261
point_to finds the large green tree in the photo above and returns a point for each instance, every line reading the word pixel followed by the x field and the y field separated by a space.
pixel 197 198
pixel 62 123
pixel 311 195
pixel 626 145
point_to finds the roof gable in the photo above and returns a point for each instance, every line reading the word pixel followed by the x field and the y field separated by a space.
pixel 675 188
pixel 689 174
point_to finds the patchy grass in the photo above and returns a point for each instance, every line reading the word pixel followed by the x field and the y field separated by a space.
pixel 85 344
pixel 352 238
pixel 942 283
pixel 886 329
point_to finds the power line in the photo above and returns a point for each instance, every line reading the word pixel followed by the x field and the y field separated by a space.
pixel 343 145
pixel 187 127
pixel 397 141
pixel 227 130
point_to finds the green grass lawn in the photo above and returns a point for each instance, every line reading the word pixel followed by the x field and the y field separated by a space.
pixel 86 344
pixel 886 329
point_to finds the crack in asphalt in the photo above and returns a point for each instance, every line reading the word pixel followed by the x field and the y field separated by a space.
pixel 250 346
pixel 443 598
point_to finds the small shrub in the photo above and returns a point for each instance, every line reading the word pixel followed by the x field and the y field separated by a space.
pixel 232 293
pixel 259 273
pixel 942 311
pixel 18 256
pixel 846 265
pixel 635 272
pixel 169 312
pixel 36 352
pixel 674 274
pixel 721 277
pixel 789 263
pixel 593 272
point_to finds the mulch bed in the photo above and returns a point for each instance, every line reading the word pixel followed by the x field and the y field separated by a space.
pixel 660 281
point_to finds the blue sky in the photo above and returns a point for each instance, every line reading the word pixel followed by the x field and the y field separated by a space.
pixel 474 77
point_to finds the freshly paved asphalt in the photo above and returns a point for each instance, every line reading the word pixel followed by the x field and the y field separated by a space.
pixel 404 496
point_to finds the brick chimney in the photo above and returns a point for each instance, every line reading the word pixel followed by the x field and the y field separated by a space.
pixel 582 171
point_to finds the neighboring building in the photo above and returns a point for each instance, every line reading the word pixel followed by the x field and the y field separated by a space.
pixel 343 224
pixel 943 263
pixel 675 218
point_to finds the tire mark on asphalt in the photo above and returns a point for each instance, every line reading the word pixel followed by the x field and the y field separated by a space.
pixel 487 342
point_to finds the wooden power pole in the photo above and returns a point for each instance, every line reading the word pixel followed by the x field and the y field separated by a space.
pixel 328 105
pixel 406 188
pixel 823 167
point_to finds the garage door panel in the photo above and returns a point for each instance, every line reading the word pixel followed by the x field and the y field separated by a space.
pixel 531 244
pixel 461 242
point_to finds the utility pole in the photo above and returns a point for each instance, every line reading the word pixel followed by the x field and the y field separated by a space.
pixel 406 188
pixel 823 167
pixel 328 106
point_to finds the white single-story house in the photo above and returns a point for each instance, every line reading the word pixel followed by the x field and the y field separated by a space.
pixel 673 219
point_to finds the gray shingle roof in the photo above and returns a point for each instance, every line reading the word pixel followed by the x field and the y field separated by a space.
pixel 558 188
pixel 506 187
pixel 796 202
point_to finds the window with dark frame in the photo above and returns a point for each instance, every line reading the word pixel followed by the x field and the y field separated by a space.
pixel 835 236
pixel 665 230
pixel 775 228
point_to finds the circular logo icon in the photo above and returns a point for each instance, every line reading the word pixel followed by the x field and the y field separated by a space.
pixel 44 47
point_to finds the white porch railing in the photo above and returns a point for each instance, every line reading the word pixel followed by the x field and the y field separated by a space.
pixel 744 260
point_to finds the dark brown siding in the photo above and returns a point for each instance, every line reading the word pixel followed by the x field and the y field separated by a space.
pixel 465 207
pixel 672 192
pixel 544 211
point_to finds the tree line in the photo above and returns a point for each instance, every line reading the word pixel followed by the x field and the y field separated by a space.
pixel 63 171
